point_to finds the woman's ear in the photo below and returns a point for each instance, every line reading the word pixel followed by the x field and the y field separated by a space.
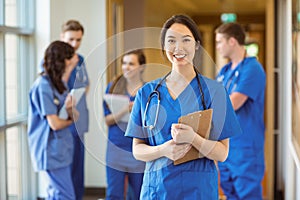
pixel 197 45
pixel 144 67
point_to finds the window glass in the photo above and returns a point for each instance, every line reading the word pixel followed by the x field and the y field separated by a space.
pixel 11 63
pixel 13 162
pixel 11 13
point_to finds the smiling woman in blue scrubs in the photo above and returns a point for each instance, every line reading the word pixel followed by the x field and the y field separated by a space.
pixel 119 159
pixel 49 137
pixel 159 139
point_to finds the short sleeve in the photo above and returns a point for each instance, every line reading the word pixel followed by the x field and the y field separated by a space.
pixel 251 80
pixel 224 123
pixel 135 125
pixel 45 95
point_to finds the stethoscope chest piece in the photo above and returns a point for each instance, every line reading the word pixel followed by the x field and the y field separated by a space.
pixel 56 101
pixel 220 78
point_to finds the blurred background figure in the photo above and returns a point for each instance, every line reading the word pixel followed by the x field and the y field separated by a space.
pixel 49 137
pixel 119 159
pixel 245 81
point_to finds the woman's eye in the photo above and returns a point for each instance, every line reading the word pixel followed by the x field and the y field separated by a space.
pixel 186 40
pixel 171 41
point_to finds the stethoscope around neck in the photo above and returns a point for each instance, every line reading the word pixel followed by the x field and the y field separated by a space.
pixel 80 69
pixel 156 93
pixel 230 83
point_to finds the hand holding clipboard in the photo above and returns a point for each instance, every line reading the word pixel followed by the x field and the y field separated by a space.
pixel 76 94
pixel 201 123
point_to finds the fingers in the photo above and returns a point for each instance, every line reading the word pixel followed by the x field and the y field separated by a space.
pixel 182 133
pixel 183 149
pixel 180 126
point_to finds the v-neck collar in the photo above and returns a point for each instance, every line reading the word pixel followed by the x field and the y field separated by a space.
pixel 168 96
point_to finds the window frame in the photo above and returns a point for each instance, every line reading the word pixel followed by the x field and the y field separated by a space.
pixel 26 73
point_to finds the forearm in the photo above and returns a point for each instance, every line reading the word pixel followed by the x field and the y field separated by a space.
pixel 144 152
pixel 56 123
pixel 214 150
pixel 237 100
pixel 112 119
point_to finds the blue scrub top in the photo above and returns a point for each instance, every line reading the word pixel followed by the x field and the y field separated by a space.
pixel 197 179
pixel 249 79
pixel 48 149
pixel 78 78
pixel 119 148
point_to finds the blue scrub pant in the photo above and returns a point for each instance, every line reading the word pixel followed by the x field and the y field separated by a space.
pixel 78 166
pixel 116 182
pixel 59 184
pixel 241 174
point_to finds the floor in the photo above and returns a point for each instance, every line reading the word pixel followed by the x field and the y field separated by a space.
pixel 94 194
pixel 92 197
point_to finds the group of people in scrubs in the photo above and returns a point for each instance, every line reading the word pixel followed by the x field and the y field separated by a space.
pixel 144 148
pixel 58 185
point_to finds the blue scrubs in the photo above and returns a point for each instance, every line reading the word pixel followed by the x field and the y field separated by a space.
pixel 197 179
pixel 242 173
pixel 50 151
pixel 120 161
pixel 78 78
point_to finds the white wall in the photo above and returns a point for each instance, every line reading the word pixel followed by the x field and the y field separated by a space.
pixel 51 14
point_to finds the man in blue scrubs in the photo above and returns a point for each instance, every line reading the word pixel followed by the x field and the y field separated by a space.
pixel 244 79
pixel 72 32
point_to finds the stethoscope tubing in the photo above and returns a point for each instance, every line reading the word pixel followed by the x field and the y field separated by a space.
pixel 156 92
pixel 84 75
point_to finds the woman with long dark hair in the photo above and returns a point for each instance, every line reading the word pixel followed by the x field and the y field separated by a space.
pixel 158 138
pixel 49 137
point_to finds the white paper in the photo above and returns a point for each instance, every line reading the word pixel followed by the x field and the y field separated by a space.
pixel 117 102
pixel 76 94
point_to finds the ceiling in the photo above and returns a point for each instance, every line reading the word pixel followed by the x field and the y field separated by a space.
pixel 157 11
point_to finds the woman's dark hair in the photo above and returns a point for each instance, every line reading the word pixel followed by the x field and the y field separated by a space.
pixel 54 62
pixel 119 83
pixel 190 24
pixel 234 30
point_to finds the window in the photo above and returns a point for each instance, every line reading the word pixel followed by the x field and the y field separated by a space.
pixel 16 75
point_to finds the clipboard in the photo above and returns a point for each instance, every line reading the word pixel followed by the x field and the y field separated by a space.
pixel 200 121
pixel 116 102
pixel 77 94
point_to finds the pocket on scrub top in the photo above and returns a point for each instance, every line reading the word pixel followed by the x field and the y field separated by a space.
pixel 199 185
pixel 59 146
